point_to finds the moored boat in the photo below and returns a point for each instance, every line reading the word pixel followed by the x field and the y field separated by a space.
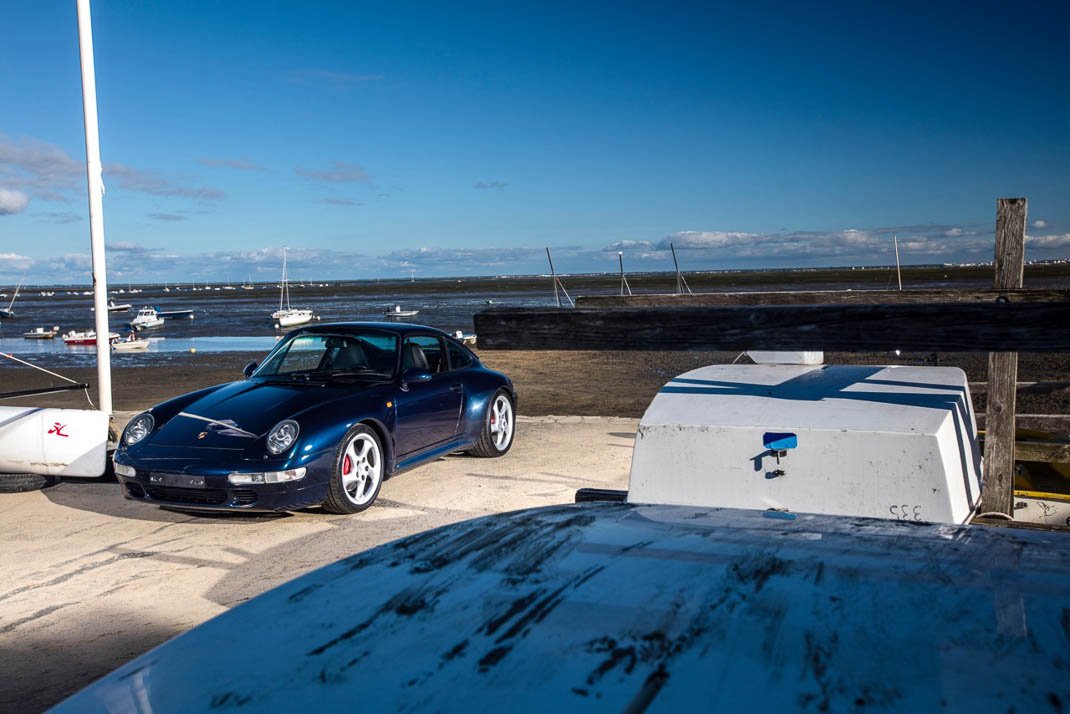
pixel 88 337
pixel 131 343
pixel 396 311
pixel 41 333
pixel 146 318
pixel 286 315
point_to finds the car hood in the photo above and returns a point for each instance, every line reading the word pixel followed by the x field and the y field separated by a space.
pixel 235 414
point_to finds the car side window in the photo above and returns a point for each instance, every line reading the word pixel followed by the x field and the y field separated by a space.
pixel 459 356
pixel 432 352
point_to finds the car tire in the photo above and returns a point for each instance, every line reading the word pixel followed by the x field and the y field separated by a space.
pixel 499 427
pixel 20 483
pixel 358 472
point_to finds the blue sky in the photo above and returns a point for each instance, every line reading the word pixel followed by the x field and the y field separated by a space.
pixel 377 139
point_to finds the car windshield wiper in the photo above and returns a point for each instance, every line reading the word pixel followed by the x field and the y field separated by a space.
pixel 300 377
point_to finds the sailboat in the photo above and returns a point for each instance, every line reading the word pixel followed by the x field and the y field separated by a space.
pixel 8 313
pixel 286 315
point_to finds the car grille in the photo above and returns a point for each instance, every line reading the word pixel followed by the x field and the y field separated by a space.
pixel 211 497
pixel 244 498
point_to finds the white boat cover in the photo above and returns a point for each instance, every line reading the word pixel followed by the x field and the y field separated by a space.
pixel 875 441
pixel 53 442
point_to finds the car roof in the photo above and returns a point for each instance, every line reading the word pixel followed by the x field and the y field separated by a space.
pixel 398 328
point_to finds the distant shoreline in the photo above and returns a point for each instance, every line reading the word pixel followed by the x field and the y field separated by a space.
pixel 858 276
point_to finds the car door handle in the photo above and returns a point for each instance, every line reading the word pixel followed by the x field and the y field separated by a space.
pixel 457 388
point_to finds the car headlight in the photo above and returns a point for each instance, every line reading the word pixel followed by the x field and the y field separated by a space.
pixel 138 428
pixel 268 476
pixel 124 470
pixel 282 436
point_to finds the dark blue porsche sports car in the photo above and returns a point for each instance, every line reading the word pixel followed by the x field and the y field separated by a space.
pixel 332 411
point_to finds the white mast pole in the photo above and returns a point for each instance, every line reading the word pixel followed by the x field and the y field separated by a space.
pixel 898 272
pixel 96 204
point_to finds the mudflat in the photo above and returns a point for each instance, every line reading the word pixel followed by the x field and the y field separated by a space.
pixel 552 382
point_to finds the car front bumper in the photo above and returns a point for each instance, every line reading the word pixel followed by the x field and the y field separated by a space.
pixel 213 492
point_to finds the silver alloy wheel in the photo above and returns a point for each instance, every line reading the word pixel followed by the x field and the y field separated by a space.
pixel 501 422
pixel 362 469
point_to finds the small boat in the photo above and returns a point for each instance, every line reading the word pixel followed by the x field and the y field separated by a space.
pixel 89 337
pixel 146 318
pixel 176 314
pixel 466 338
pixel 396 311
pixel 113 306
pixel 8 313
pixel 131 343
pixel 41 333
pixel 289 316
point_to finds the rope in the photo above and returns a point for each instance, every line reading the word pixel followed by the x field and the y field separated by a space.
pixel 53 374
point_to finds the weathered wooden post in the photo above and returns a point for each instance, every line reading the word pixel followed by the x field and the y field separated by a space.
pixel 997 495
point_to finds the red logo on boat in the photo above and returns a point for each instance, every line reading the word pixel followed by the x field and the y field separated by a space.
pixel 57 429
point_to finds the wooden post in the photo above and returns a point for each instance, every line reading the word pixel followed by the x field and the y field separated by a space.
pixel 997 493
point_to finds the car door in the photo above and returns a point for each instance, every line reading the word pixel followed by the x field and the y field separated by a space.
pixel 428 413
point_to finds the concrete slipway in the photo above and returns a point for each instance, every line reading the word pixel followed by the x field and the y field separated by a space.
pixel 89 580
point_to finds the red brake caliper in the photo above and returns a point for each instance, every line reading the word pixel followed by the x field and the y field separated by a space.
pixel 493 416
pixel 347 465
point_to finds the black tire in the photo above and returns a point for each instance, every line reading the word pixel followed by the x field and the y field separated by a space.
pixel 490 445
pixel 20 483
pixel 341 500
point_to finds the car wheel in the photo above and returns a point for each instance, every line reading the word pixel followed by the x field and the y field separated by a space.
pixel 499 425
pixel 357 473
pixel 19 483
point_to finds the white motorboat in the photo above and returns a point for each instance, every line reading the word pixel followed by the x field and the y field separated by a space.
pixel 88 337
pixel 396 311
pixel 146 318
pixel 131 343
pixel 287 316
pixel 41 333
pixel 113 306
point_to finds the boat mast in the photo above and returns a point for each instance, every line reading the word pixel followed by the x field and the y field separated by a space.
pixel 284 292
pixel 553 276
pixel 681 283
pixel 898 273
pixel 94 170
pixel 623 280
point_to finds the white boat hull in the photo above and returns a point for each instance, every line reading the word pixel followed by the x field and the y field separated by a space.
pixel 53 442
pixel 292 318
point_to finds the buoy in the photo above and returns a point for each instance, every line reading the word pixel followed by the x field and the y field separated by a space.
pixel 193 350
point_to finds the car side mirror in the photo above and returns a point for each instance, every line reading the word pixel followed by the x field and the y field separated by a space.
pixel 414 375
pixel 249 369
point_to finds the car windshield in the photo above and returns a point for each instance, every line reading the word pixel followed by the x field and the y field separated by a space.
pixel 357 354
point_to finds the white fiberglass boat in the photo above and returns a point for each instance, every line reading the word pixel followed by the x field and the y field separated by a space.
pixel 396 311
pixel 130 344
pixel 287 316
pixel 146 318
pixel 41 333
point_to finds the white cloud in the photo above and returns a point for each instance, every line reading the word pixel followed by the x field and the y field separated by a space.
pixel 490 185
pixel 1048 242
pixel 132 179
pixel 12 202
pixel 629 245
pixel 1039 223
